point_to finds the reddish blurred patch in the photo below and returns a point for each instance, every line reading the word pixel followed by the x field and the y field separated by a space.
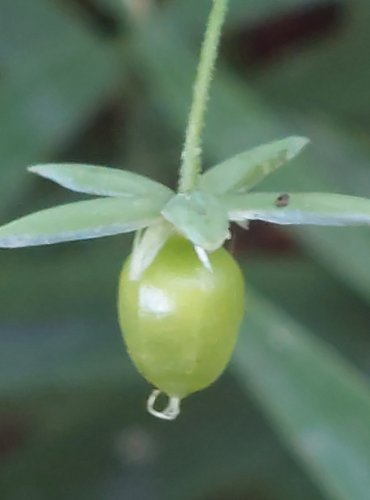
pixel 262 43
pixel 12 433
pixel 262 237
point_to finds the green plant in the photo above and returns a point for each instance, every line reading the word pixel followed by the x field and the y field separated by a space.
pixel 202 208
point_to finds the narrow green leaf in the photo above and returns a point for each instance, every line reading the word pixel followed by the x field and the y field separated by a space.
pixel 323 209
pixel 102 181
pixel 317 401
pixel 200 217
pixel 243 171
pixel 79 221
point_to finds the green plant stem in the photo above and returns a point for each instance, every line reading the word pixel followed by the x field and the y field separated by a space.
pixel 191 155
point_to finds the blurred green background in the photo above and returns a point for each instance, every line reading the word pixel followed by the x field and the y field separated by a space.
pixel 109 82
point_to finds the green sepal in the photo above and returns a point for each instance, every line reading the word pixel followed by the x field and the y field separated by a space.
pixel 101 181
pixel 199 217
pixel 80 220
pixel 147 246
pixel 322 209
pixel 243 171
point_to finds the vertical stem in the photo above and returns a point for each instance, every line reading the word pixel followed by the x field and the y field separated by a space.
pixel 191 155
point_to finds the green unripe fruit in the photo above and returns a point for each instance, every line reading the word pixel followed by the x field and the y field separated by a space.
pixel 179 320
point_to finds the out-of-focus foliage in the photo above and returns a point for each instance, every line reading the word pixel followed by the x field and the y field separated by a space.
pixel 95 81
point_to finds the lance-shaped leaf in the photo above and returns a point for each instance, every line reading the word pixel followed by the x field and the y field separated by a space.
pixel 243 171
pixel 200 217
pixel 103 181
pixel 323 209
pixel 79 221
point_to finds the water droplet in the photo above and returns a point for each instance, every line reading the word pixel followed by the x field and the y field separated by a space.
pixel 170 412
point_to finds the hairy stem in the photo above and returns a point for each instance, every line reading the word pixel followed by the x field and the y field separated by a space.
pixel 191 155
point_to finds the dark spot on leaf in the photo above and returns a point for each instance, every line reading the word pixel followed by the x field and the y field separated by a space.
pixel 282 200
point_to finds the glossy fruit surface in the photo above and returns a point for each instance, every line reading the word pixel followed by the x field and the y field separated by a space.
pixel 179 320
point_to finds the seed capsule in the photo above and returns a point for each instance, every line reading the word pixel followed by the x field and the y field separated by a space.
pixel 179 320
